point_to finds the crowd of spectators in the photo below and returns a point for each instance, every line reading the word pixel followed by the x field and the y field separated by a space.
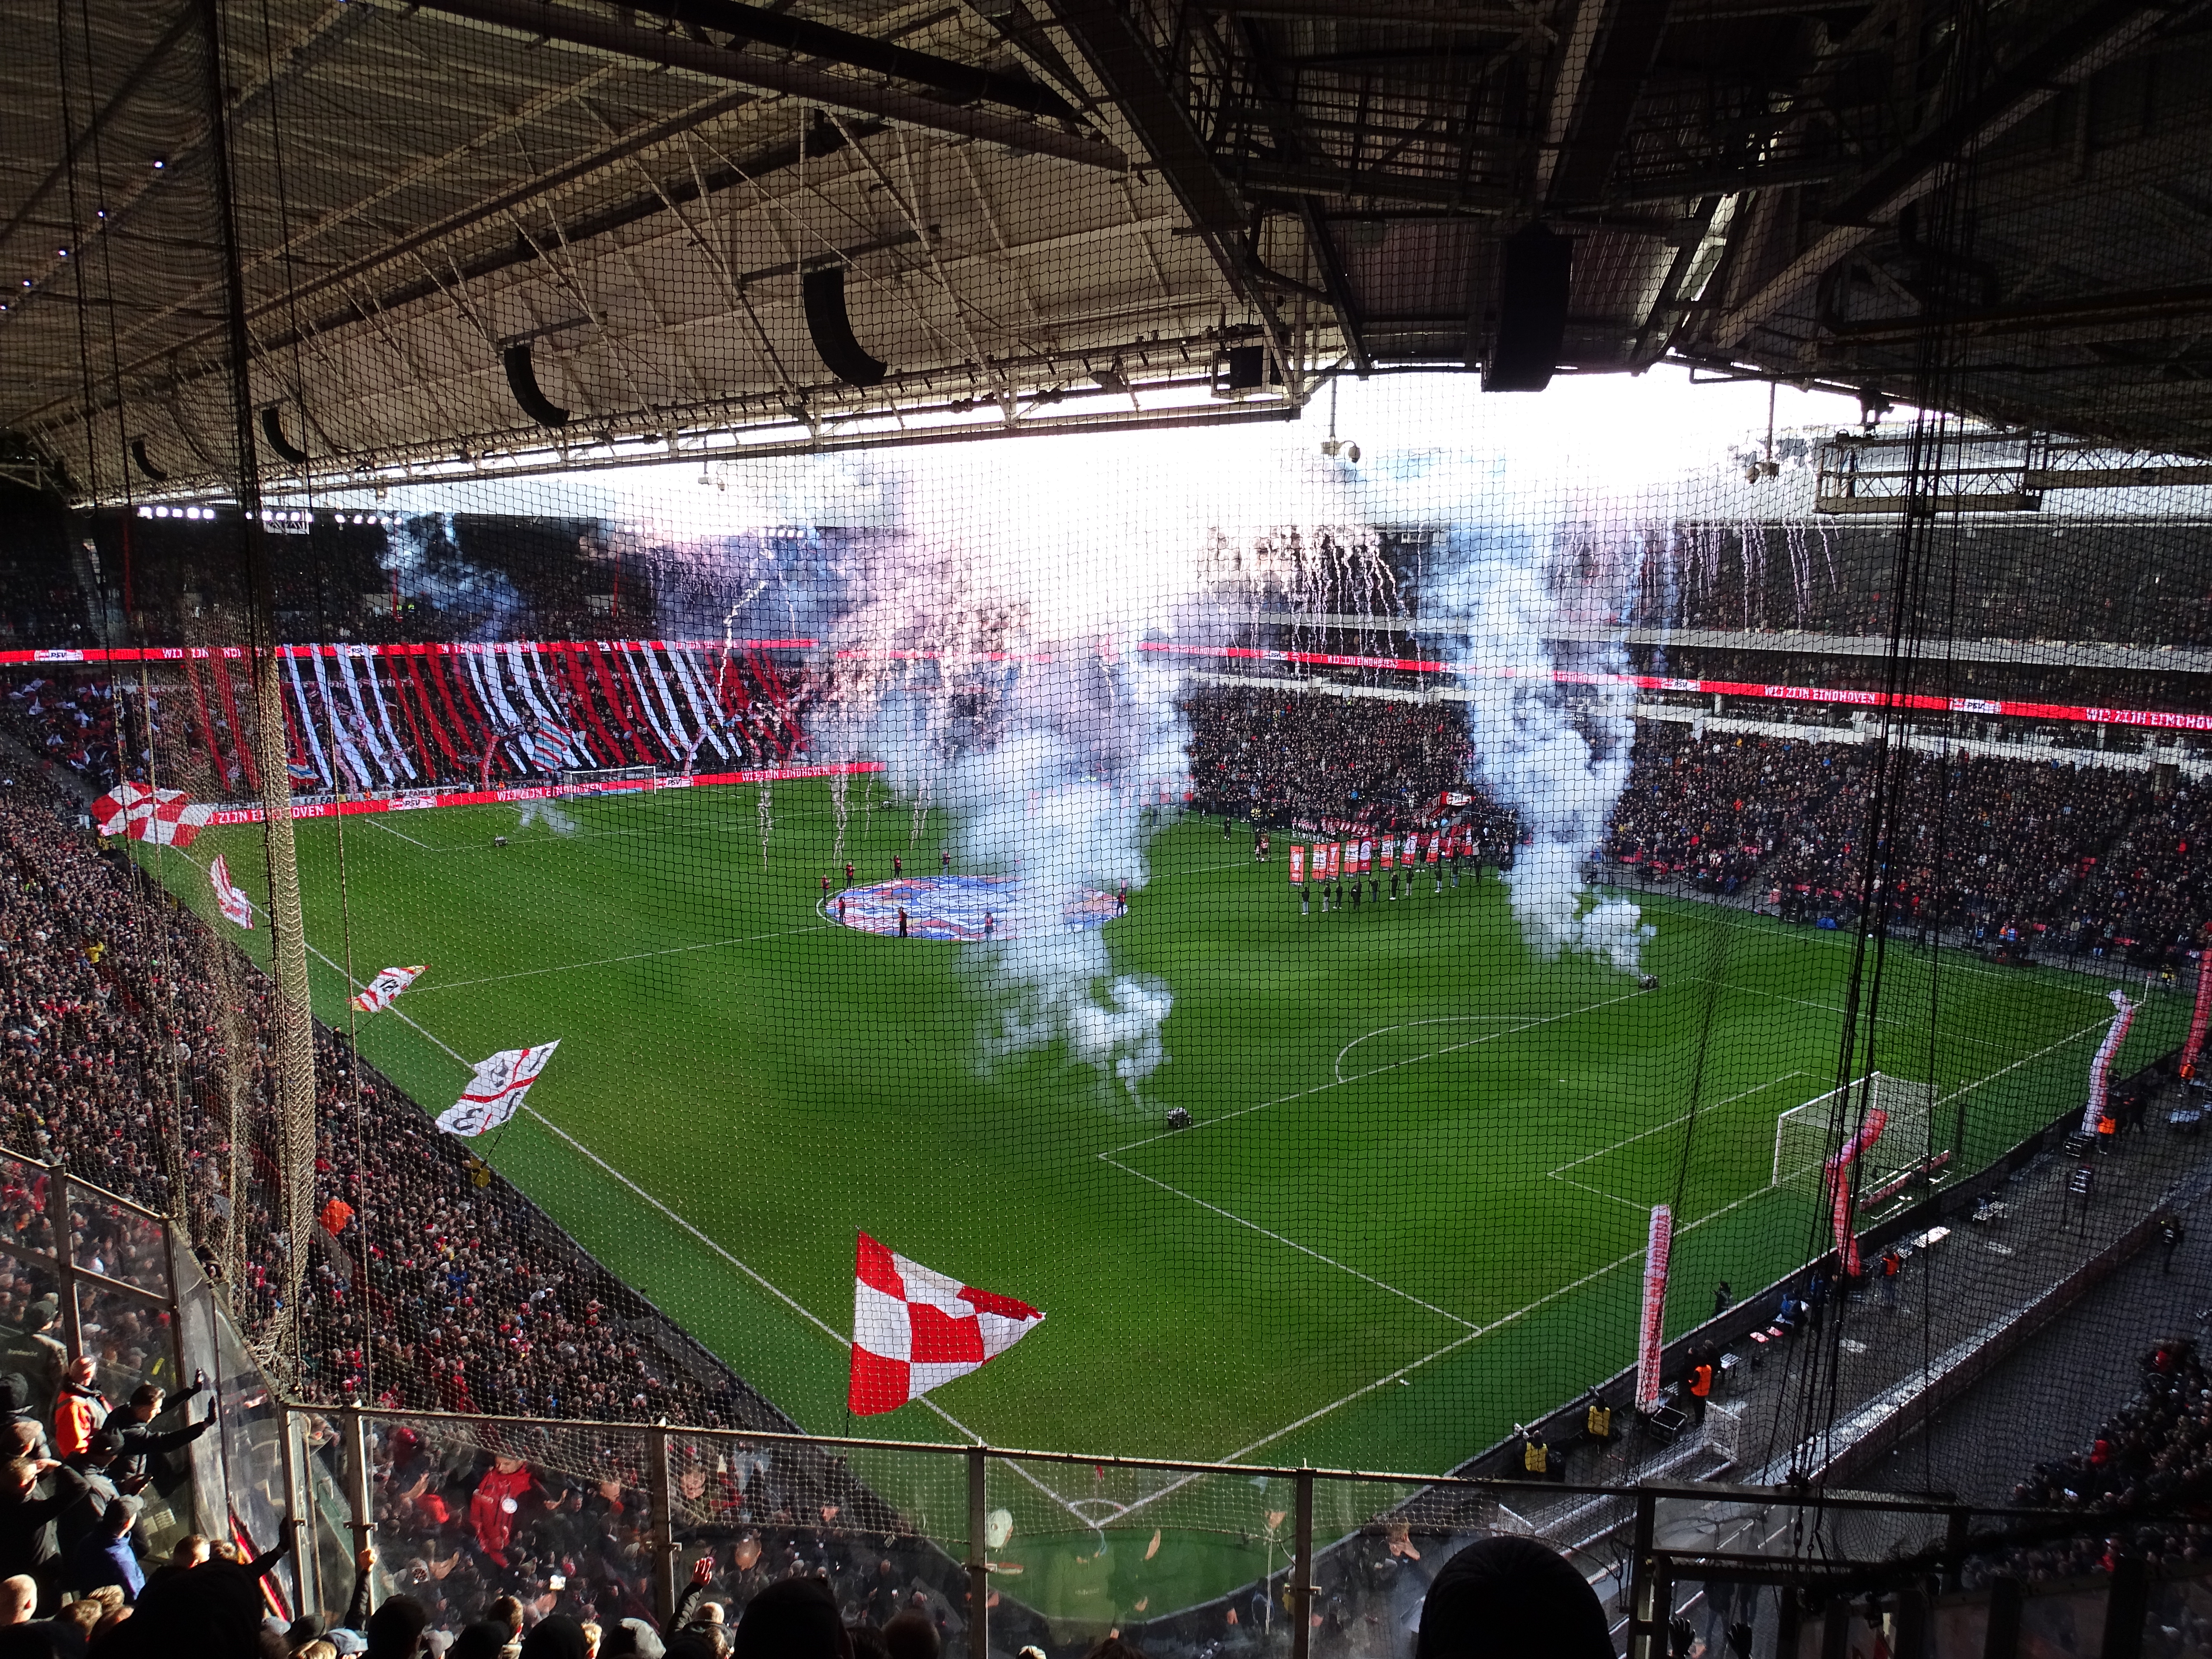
pixel 2046 857
pixel 1271 755
pixel 66 717
pixel 2057 857
pixel 2149 1463
pixel 430 1283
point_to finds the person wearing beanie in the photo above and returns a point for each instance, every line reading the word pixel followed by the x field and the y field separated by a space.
pixel 395 1629
pixel 15 1407
pixel 793 1619
pixel 557 1637
pixel 1511 1598
pixel 482 1640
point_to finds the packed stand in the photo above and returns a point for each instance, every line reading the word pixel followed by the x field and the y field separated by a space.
pixel 2037 856
pixel 112 1006
pixel 2041 857
pixel 65 718
pixel 2148 1469
pixel 1271 755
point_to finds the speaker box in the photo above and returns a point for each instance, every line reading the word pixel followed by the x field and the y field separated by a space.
pixel 272 429
pixel 831 328
pixel 1532 311
pixel 522 380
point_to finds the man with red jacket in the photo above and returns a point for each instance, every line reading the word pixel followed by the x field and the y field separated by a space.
pixel 79 1410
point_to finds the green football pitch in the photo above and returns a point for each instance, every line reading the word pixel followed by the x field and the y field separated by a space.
pixel 1412 1207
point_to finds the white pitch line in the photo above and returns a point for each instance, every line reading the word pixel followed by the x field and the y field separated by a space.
pixel 743 1267
pixel 1321 1088
pixel 1631 1140
pixel 378 823
pixel 1611 1267
pixel 603 962
pixel 1337 1070
pixel 1884 1020
pixel 1303 1249
pixel 1968 1088
pixel 1953 952
pixel 1560 1174
pixel 1495 1325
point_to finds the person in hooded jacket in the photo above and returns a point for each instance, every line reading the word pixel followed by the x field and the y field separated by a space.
pixel 1511 1598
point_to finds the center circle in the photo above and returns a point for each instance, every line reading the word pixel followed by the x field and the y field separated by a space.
pixel 962 909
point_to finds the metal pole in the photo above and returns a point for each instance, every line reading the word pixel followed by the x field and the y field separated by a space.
pixel 295 1522
pixel 1643 1620
pixel 979 1568
pixel 1302 1584
pixel 176 1308
pixel 357 1467
pixel 57 1220
pixel 663 1497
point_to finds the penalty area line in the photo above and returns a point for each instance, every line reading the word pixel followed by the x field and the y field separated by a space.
pixel 1337 1069
pixel 1560 1174
pixel 1476 1334
pixel 1339 1083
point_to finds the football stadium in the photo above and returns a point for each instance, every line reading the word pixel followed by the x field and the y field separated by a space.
pixel 1106 830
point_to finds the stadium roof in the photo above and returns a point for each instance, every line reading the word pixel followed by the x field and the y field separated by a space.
pixel 460 221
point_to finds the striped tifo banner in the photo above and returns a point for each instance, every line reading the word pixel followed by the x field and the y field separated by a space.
pixel 2083 713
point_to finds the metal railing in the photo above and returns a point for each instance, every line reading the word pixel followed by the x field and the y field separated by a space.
pixel 1002 1549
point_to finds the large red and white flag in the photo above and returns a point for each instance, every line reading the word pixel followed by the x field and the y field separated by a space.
pixel 167 818
pixel 1652 1328
pixel 495 1093
pixel 913 1328
pixel 2100 1064
pixel 229 897
pixel 378 994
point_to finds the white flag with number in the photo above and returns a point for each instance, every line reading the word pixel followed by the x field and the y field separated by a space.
pixel 229 897
pixel 495 1093
pixel 378 994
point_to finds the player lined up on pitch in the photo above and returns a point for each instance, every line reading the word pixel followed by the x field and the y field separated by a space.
pixel 1372 870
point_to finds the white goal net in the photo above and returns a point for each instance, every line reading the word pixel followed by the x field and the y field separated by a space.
pixel 1805 1136
pixel 610 779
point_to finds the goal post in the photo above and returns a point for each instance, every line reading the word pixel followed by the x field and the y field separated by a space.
pixel 1805 1136
pixel 609 780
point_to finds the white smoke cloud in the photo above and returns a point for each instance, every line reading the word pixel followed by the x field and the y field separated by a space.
pixel 1561 765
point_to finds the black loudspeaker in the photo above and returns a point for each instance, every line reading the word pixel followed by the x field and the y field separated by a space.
pixel 1249 368
pixel 138 454
pixel 522 380
pixel 831 329
pixel 273 429
pixel 1532 311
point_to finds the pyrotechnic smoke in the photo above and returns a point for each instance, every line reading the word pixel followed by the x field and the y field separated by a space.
pixel 1561 764
pixel 424 554
pixel 980 616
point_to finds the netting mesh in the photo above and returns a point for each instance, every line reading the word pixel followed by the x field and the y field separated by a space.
pixel 610 874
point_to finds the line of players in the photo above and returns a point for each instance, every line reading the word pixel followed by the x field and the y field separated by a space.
pixel 1320 869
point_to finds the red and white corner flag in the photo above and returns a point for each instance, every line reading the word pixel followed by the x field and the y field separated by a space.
pixel 229 897
pixel 913 1328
